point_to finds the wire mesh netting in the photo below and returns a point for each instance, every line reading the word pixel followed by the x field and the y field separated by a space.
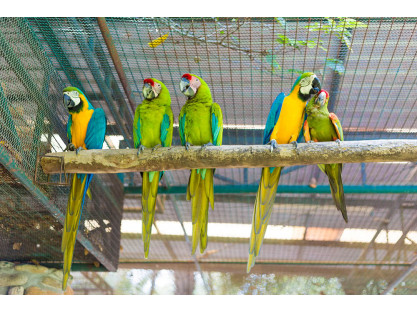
pixel 33 122
pixel 366 64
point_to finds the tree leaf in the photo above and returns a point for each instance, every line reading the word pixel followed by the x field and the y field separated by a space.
pixel 281 21
pixel 336 65
pixel 271 59
pixel 293 70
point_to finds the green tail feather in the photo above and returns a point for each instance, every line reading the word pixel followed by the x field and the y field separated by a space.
pixel 150 182
pixel 334 173
pixel 264 202
pixel 72 220
pixel 200 192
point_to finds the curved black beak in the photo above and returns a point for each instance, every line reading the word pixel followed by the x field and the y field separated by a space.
pixel 316 86
pixel 68 101
pixel 184 84
pixel 148 92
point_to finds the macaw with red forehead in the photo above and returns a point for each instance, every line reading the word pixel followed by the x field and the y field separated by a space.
pixel 200 124
pixel 324 126
pixel 283 126
pixel 152 128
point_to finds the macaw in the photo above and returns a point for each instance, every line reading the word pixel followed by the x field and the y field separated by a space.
pixel 86 129
pixel 152 128
pixel 324 126
pixel 200 123
pixel 283 126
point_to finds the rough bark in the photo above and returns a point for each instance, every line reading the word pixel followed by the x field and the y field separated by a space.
pixel 177 158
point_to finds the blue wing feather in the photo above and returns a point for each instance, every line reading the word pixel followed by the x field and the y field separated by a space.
pixel 273 117
pixel 164 129
pixel 215 129
pixel 96 130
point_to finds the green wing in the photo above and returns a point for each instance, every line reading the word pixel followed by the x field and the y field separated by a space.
pixel 136 129
pixel 217 124
pixel 182 126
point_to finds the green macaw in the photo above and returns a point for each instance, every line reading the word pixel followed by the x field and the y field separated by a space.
pixel 283 126
pixel 324 126
pixel 152 128
pixel 201 124
pixel 86 129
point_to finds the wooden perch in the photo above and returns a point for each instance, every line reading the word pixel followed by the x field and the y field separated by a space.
pixel 177 158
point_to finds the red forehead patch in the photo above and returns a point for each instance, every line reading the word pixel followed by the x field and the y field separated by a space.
pixel 327 94
pixel 187 76
pixel 148 81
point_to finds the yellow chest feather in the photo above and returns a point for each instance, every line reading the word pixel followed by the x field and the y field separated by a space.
pixel 290 120
pixel 79 127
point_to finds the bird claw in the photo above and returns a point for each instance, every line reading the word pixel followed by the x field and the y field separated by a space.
pixel 78 150
pixel 70 147
pixel 294 143
pixel 273 144
pixel 140 149
pixel 209 144
pixel 187 146
pixel 310 141
pixel 156 147
pixel 338 141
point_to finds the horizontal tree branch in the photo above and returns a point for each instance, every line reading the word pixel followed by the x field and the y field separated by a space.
pixel 233 156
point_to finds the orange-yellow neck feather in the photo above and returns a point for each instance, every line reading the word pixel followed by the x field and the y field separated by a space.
pixel 79 125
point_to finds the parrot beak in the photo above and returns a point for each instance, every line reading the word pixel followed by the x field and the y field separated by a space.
pixel 321 98
pixel 69 102
pixel 316 86
pixel 148 92
pixel 186 88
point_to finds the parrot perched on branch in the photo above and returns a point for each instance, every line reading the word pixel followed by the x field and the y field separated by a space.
pixel 152 128
pixel 283 126
pixel 86 129
pixel 201 124
pixel 324 126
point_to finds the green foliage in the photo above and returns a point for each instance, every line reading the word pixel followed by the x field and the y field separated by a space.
pixel 341 28
pixel 293 70
pixel 281 21
pixel 296 44
pixel 336 65
pixel 272 60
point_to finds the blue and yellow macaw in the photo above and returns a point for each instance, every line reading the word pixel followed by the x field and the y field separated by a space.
pixel 283 126
pixel 152 127
pixel 86 129
pixel 200 124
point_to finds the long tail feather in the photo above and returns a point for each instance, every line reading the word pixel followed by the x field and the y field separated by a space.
pixel 200 192
pixel 150 182
pixel 79 187
pixel 264 202
pixel 334 173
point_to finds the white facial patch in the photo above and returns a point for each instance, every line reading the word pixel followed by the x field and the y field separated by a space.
pixel 306 84
pixel 157 89
pixel 74 95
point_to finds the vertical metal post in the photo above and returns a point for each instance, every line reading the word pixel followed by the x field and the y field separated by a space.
pixel 116 60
